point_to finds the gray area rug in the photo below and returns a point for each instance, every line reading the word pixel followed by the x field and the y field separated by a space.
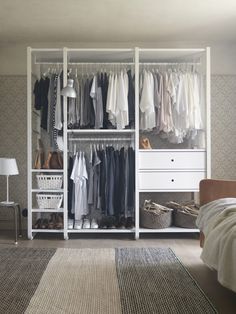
pixel 154 281
pixel 97 281
pixel 20 272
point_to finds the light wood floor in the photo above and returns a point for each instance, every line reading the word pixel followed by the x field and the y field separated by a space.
pixel 186 247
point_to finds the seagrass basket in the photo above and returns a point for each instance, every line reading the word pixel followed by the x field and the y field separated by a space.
pixel 155 216
pixel 184 215
pixel 184 220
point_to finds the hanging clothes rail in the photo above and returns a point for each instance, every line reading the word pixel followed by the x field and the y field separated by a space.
pixel 119 63
pixel 101 139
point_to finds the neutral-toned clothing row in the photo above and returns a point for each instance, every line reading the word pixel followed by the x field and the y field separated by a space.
pixel 104 101
pixel 171 103
pixel 102 183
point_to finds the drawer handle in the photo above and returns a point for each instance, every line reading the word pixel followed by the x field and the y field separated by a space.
pixel 172 180
pixel 172 160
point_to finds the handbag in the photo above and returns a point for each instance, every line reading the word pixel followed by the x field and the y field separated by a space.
pixel 145 143
pixel 56 161
pixel 39 156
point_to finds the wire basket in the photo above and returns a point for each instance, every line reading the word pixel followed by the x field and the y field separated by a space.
pixel 53 182
pixel 49 201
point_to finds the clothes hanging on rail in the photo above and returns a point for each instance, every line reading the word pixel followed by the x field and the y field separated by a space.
pixel 40 91
pixel 103 184
pixel 96 95
pixel 131 100
pixel 170 103
pixel 80 176
pixel 103 101
pixel 70 188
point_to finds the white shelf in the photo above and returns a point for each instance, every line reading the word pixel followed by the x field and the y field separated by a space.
pixel 166 191
pixel 47 170
pixel 169 230
pixel 47 210
pixel 172 150
pixel 101 131
pixel 48 230
pixel 101 231
pixel 51 191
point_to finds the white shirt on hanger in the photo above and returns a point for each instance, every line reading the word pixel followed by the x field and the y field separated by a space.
pixel 147 107
pixel 197 108
pixel 80 176
pixel 111 98
pixel 122 109
pixel 96 95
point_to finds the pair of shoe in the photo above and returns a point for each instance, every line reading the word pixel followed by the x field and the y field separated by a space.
pixel 41 224
pixel 108 222
pixel 55 222
pixel 70 224
pixel 82 224
pixel 125 223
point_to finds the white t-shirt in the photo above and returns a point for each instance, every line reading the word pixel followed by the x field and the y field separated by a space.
pixel 80 176
pixel 147 106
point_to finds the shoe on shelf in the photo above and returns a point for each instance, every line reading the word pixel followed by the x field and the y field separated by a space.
pixel 103 223
pixel 78 224
pixel 52 222
pixel 70 224
pixel 94 224
pixel 38 224
pixel 59 222
pixel 44 224
pixel 129 223
pixel 122 223
pixel 86 224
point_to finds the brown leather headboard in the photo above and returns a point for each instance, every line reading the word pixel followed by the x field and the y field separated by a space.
pixel 211 190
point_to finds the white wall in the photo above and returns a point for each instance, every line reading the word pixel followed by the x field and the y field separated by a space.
pixel 13 57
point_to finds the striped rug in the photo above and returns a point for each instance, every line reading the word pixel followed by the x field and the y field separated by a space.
pixel 97 281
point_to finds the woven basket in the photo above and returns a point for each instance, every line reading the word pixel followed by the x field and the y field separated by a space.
pixel 184 220
pixel 185 214
pixel 49 201
pixel 53 182
pixel 155 219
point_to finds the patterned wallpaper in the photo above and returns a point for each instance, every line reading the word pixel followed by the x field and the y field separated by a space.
pixel 13 131
pixel 223 131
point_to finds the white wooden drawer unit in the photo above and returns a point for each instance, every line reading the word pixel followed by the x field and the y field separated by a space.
pixel 171 170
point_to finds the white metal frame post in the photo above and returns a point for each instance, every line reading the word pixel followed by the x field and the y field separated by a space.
pixel 208 112
pixel 65 183
pixel 136 56
pixel 29 139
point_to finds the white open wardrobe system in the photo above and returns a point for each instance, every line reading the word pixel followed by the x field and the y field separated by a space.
pixel 163 169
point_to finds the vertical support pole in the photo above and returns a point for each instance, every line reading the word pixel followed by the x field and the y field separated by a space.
pixel 7 189
pixel 65 215
pixel 208 112
pixel 29 140
pixel 136 143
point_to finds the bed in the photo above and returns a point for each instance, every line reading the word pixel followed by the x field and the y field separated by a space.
pixel 211 190
pixel 217 224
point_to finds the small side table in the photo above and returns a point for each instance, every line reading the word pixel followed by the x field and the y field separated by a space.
pixel 17 211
